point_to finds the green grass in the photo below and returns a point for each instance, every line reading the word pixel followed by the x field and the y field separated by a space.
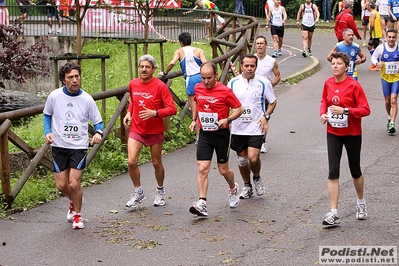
pixel 112 158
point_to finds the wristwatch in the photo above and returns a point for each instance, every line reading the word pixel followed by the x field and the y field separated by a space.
pixel 267 117
pixel 346 111
pixel 229 120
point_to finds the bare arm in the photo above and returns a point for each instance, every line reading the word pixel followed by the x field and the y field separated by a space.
pixel 298 15
pixel 176 57
pixel 284 15
pixel 277 75
pixel 329 57
pixel 316 13
pixel 362 57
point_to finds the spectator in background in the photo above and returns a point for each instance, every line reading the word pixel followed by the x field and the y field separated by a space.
pixel 52 11
pixel 319 4
pixel 327 4
pixel 23 6
pixel 5 11
pixel 239 7
pixel 346 20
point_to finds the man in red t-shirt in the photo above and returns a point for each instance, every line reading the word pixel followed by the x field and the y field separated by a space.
pixel 211 114
pixel 151 101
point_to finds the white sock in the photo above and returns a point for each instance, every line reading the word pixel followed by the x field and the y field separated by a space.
pixel 138 190
pixel 334 211
pixel 361 201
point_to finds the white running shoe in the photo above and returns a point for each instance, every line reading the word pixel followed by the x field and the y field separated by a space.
pixel 234 199
pixel 259 187
pixel 77 221
pixel 159 199
pixel 361 211
pixel 135 199
pixel 199 208
pixel 246 192
pixel 331 219
pixel 71 212
pixel 263 148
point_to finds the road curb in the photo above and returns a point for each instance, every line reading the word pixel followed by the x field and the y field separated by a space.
pixel 310 69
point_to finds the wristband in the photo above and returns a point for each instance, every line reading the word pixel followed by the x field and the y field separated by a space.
pixel 156 113
pixel 99 132
pixel 346 111
pixel 164 73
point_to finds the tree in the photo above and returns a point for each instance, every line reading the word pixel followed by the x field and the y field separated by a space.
pixel 146 9
pixel 17 62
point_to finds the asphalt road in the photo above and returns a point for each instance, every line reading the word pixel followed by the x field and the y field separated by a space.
pixel 283 227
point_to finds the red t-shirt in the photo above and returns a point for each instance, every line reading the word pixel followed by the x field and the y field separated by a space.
pixel 347 94
pixel 214 104
pixel 153 95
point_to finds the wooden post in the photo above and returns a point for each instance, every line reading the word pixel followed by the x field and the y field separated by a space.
pixel 136 61
pixel 5 160
pixel 129 58
pixel 56 80
pixel 161 55
pixel 103 88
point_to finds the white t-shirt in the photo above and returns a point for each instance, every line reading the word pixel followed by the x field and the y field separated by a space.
pixel 70 115
pixel 252 96
pixel 382 7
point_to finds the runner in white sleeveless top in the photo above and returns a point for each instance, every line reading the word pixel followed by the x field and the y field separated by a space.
pixel 276 17
pixel 267 68
pixel 310 15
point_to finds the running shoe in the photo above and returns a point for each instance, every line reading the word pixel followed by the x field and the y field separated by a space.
pixel 77 221
pixel 263 148
pixel 391 128
pixel 71 212
pixel 279 52
pixel 373 68
pixel 199 208
pixel 246 192
pixel 331 219
pixel 304 54
pixel 234 199
pixel 59 31
pixel 309 52
pixel 135 199
pixel 50 32
pixel 259 187
pixel 159 199
pixel 389 121
pixel 274 54
pixel 361 211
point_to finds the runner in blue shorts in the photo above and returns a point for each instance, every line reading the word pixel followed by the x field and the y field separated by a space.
pixel 191 59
